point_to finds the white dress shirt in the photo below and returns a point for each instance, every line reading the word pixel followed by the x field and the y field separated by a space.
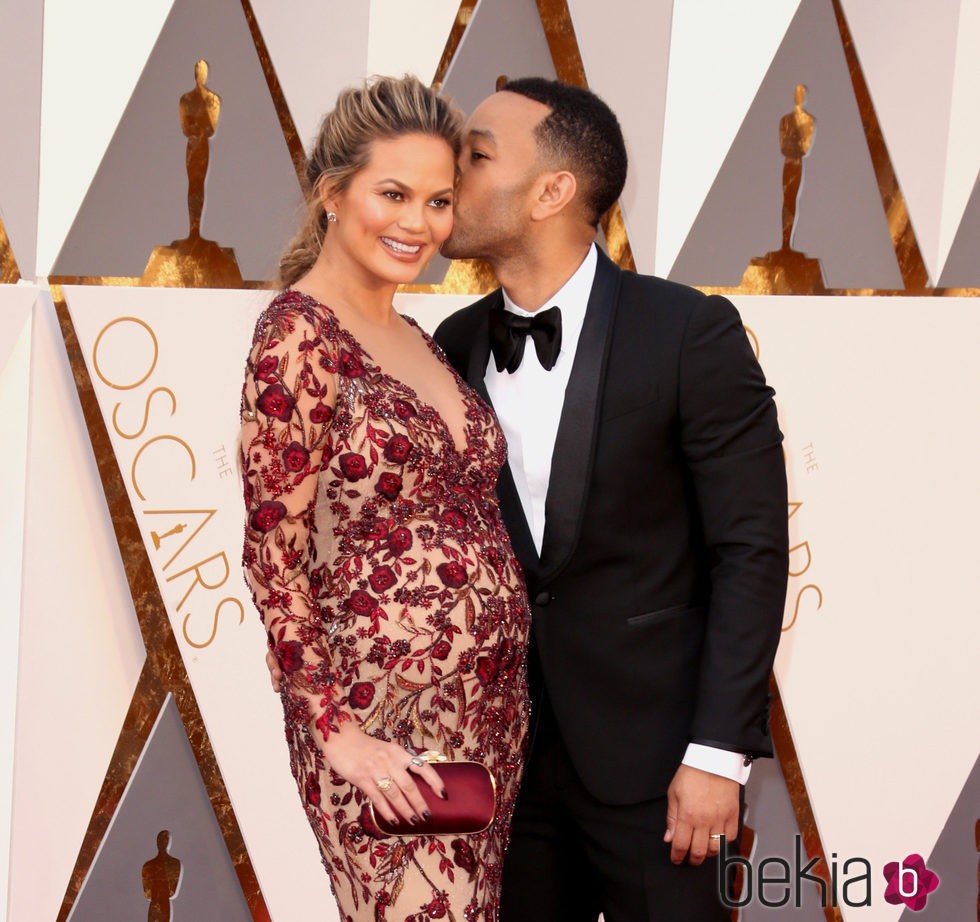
pixel 528 404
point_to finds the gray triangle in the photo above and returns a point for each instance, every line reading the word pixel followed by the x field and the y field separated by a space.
pixel 840 218
pixel 20 160
pixel 138 198
pixel 954 858
pixel 504 37
pixel 962 269
pixel 165 793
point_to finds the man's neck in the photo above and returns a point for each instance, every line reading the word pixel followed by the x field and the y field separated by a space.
pixel 531 280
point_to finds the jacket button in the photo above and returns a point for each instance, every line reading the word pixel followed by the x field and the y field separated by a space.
pixel 542 598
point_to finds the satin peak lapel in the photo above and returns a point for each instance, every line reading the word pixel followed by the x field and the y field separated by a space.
pixel 572 459
pixel 510 502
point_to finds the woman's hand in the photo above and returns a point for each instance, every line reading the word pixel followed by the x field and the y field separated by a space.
pixel 365 761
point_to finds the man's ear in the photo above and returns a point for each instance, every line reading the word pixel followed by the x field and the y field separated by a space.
pixel 556 191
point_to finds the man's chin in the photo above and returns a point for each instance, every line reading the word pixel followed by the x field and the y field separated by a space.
pixel 452 249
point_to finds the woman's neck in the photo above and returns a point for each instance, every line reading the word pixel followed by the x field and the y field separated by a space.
pixel 354 292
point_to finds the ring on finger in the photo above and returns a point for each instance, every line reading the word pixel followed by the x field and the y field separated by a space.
pixel 715 836
pixel 384 783
pixel 417 761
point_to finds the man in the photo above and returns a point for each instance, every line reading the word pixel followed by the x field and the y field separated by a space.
pixel 645 496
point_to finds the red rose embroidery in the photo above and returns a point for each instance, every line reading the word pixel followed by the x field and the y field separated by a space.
pixel 295 457
pixel 441 649
pixel 350 365
pixel 399 541
pixel 403 410
pixel 453 518
pixel 389 485
pixel 382 578
pixel 267 368
pixel 277 402
pixel 463 855
pixel 486 670
pixel 361 694
pixel 353 467
pixel 452 574
pixel 360 602
pixel 321 413
pixel 289 655
pixel 313 789
pixel 377 529
pixel 269 514
pixel 398 449
pixel 438 907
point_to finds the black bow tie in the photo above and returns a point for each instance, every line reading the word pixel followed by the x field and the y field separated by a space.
pixel 509 332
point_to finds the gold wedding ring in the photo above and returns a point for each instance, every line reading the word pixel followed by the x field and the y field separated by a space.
pixel 384 783
pixel 715 835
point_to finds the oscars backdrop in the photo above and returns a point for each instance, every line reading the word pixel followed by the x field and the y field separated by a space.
pixel 814 160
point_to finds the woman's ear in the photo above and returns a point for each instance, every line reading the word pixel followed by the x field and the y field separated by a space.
pixel 555 192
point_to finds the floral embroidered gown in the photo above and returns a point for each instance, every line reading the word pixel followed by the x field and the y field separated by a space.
pixel 377 557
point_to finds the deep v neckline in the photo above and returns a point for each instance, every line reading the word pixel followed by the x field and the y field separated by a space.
pixel 427 409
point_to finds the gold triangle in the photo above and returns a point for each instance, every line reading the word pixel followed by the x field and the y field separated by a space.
pixel 9 273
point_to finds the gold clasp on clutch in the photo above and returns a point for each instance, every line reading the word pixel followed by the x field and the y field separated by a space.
pixel 431 755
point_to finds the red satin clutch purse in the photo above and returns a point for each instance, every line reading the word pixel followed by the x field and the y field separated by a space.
pixel 470 807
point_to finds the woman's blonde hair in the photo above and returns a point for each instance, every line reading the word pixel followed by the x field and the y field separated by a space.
pixel 383 108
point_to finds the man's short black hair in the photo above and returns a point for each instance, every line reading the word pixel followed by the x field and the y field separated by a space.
pixel 582 135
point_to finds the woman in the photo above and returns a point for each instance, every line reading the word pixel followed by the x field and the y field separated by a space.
pixel 374 546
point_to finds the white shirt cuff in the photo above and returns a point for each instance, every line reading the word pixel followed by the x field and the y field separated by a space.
pixel 718 762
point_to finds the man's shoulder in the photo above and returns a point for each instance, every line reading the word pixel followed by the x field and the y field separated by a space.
pixel 461 323
pixel 651 299
pixel 662 289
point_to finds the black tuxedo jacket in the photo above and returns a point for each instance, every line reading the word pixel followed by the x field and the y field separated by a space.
pixel 658 596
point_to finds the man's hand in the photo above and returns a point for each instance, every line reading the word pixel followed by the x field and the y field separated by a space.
pixel 275 673
pixel 699 804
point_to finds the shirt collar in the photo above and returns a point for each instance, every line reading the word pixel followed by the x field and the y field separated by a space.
pixel 572 297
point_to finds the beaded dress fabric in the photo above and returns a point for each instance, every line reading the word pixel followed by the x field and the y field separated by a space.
pixel 378 560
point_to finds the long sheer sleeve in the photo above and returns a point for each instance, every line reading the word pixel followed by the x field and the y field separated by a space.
pixel 288 404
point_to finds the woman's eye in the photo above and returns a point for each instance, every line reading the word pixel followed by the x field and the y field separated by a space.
pixel 441 203
pixel 394 195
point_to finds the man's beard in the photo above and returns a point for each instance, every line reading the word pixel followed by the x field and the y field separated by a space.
pixel 489 240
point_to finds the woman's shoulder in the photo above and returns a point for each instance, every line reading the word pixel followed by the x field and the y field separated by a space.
pixel 290 311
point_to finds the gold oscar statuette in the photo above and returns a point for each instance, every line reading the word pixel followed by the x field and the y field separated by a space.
pixel 788 271
pixel 195 262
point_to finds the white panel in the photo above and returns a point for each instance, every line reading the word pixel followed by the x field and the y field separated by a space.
pixel 963 151
pixel 640 35
pixel 317 47
pixel 719 53
pixel 180 467
pixel 80 649
pixel 907 51
pixel 93 55
pixel 409 38
pixel 15 357
pixel 878 680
